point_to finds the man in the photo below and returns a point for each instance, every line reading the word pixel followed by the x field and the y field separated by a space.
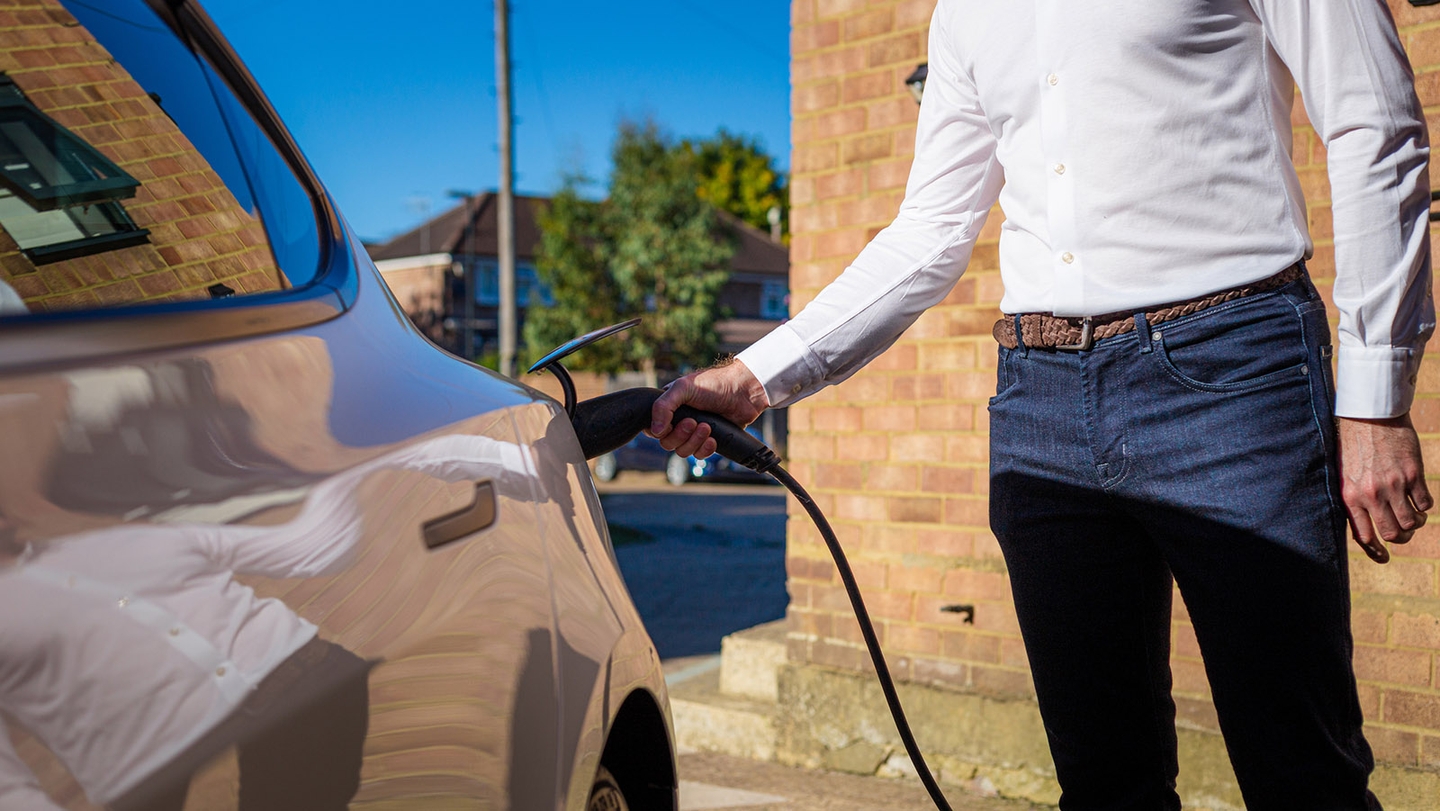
pixel 1164 405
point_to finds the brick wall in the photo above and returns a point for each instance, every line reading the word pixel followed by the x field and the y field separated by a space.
pixel 199 234
pixel 898 455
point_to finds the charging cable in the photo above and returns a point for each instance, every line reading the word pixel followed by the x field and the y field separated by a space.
pixel 604 423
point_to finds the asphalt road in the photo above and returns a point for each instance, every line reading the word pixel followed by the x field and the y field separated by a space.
pixel 713 562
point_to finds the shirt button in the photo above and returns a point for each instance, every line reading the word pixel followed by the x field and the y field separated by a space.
pixel 123 601
pixel 1052 79
pixel 220 671
pixel 174 631
pixel 1059 168
pixel 1068 258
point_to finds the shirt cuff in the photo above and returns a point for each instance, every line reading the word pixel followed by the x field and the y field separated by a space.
pixel 781 362
pixel 1375 382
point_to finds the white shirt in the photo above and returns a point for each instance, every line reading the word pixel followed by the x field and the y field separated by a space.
pixel 1141 152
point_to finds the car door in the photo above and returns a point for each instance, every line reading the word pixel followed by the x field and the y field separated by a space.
pixel 261 544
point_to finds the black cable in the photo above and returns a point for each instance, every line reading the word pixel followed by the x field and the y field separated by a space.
pixel 867 630
pixel 606 422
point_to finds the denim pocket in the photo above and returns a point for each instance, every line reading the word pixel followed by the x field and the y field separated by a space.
pixel 1007 373
pixel 1247 344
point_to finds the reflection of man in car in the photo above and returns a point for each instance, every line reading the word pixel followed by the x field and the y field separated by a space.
pixel 135 656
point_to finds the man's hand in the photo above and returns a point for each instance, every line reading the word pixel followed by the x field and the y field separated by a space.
pixel 1382 481
pixel 729 390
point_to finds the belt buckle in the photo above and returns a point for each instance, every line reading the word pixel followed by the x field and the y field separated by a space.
pixel 1087 338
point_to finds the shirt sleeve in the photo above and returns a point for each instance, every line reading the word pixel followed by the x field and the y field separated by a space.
pixel 1359 92
pixel 912 264
pixel 19 788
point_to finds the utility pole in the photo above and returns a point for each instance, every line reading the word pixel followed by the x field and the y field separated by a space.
pixel 506 211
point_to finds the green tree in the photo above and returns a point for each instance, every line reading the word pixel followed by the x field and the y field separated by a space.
pixel 652 249
pixel 571 262
pixel 737 176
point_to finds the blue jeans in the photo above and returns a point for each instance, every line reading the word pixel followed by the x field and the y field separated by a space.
pixel 1203 450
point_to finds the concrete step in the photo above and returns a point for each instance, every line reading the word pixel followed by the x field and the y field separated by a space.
pixel 750 661
pixel 708 720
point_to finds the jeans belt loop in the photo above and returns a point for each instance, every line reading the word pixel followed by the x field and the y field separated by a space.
pixel 1142 331
pixel 1020 337
pixel 1087 337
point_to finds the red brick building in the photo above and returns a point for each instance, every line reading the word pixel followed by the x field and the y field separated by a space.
pixel 898 458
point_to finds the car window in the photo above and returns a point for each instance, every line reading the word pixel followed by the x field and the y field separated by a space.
pixel 130 173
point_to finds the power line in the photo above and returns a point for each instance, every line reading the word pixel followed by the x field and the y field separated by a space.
pixel 545 114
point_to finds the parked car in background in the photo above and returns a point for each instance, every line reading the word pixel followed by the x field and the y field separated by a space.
pixel 644 453
pixel 262 545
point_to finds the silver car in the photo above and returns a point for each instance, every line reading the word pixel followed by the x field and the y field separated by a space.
pixel 262 545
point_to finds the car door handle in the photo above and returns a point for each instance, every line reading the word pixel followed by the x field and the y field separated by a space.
pixel 465 521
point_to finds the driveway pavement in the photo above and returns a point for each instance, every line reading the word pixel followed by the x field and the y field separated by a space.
pixel 701 561
pixel 708 780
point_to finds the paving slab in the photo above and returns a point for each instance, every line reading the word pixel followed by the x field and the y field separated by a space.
pixel 714 778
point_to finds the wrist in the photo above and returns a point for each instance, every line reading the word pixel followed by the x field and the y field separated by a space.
pixel 750 385
pixel 1401 421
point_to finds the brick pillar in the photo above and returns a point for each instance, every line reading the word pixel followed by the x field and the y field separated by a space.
pixel 897 456
pixel 1397 606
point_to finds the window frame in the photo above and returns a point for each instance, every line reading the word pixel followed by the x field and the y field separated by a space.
pixel 103 194
pixel 118 186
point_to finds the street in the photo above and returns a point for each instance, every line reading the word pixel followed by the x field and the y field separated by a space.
pixel 702 560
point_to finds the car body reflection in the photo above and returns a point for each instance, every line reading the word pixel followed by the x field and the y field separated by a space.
pixel 229 577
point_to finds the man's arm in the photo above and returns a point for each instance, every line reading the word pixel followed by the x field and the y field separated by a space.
pixel 907 268
pixel 1359 92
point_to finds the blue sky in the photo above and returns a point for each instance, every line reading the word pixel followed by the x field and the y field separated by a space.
pixel 394 104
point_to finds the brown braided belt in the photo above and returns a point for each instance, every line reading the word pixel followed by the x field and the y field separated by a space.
pixel 1046 331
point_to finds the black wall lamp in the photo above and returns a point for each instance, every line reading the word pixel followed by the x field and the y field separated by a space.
pixel 916 80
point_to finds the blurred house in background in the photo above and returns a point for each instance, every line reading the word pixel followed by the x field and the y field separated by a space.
pixel 425 268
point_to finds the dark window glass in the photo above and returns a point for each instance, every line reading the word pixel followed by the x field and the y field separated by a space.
pixel 775 300
pixel 287 209
pixel 529 290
